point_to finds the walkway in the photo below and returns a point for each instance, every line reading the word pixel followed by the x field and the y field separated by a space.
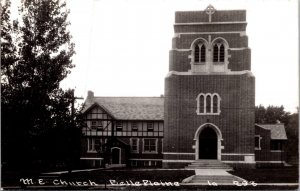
pixel 212 176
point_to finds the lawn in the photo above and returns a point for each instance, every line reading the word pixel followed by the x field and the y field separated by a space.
pixel 269 175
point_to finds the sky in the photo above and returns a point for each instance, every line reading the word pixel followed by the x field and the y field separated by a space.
pixel 122 46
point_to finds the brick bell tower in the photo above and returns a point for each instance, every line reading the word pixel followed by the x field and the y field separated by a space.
pixel 209 90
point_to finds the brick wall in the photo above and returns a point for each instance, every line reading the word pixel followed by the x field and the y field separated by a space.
pixel 234 39
pixel 236 120
pixel 218 16
pixel 179 61
pixel 240 54
pixel 209 28
pixel 265 153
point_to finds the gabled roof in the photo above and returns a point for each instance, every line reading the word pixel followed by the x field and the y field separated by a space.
pixel 277 131
pixel 129 108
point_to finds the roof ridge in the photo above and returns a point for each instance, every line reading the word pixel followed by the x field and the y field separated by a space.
pixel 133 108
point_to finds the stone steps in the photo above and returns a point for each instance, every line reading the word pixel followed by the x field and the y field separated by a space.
pixel 208 164
pixel 194 168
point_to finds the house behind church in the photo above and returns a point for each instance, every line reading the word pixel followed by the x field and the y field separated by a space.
pixel 123 130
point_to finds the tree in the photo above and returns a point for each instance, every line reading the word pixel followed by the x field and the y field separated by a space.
pixel 8 50
pixel 271 115
pixel 292 132
pixel 32 102
pixel 8 58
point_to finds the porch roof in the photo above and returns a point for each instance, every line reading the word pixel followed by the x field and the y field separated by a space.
pixel 277 131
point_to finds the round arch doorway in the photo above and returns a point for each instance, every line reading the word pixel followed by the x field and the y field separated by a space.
pixel 208 144
pixel 204 144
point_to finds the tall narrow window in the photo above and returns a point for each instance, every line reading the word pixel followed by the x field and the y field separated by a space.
pixel 208 104
pixel 257 142
pixel 201 104
pixel 91 145
pixel 216 53
pixel 222 53
pixel 219 52
pixel 215 104
pixel 203 53
pixel 134 145
pixel 196 56
pixel 200 53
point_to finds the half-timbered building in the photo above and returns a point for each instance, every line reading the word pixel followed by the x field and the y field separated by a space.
pixel 122 130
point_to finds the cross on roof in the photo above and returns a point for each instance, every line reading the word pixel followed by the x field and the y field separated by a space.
pixel 210 10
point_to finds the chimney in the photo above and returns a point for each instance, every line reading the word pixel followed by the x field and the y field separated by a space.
pixel 90 95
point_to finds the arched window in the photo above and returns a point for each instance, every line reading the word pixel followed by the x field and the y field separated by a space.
pixel 199 51
pixel 201 104
pixel 222 53
pixel 203 53
pixel 216 53
pixel 196 56
pixel 219 51
pixel 215 104
pixel 208 104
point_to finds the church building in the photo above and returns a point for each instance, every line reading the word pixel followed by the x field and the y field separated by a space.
pixel 206 113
